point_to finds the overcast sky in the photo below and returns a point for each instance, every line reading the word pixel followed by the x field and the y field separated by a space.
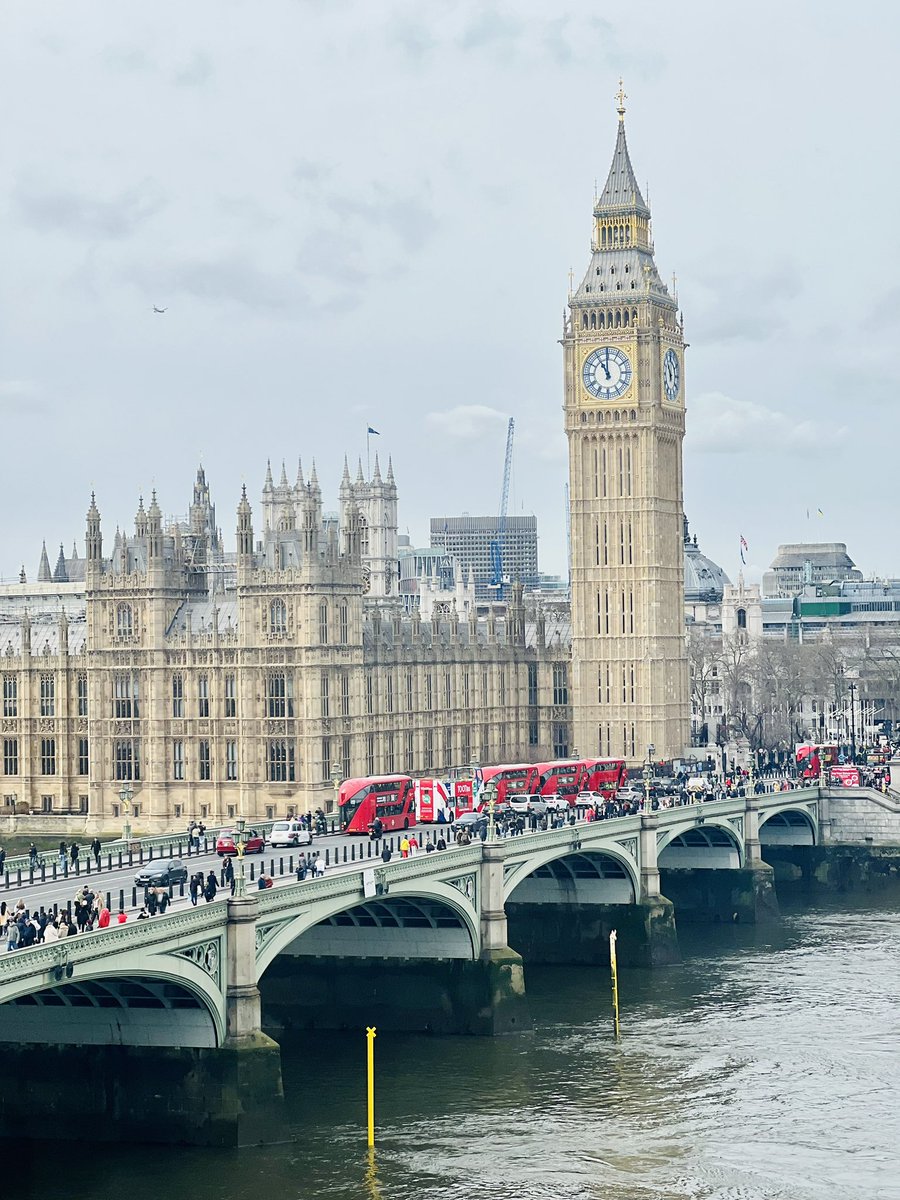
pixel 363 212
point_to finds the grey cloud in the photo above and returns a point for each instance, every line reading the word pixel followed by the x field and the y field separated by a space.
pixel 50 208
pixel 127 59
pixel 491 27
pixel 195 72
pixel 744 307
pixel 408 219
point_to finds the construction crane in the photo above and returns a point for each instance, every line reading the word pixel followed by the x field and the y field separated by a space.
pixel 497 580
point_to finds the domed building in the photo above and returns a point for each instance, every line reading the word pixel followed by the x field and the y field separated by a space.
pixel 704 583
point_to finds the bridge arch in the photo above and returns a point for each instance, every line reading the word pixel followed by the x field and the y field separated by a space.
pixel 788 827
pixel 599 875
pixel 150 1005
pixel 700 844
pixel 443 917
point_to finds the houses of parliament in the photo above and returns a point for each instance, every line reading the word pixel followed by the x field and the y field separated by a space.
pixel 216 683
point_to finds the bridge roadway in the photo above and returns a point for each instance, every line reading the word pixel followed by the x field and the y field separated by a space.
pixel 357 944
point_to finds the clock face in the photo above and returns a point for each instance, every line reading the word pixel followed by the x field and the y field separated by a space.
pixel 607 372
pixel 671 375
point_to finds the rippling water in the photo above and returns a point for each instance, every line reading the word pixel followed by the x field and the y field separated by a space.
pixel 764 1066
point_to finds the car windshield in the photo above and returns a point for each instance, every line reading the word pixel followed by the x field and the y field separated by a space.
pixel 281 827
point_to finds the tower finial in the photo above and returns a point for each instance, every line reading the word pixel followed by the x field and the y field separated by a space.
pixel 621 98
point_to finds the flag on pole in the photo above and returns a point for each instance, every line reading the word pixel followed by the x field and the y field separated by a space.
pixel 744 549
pixel 375 431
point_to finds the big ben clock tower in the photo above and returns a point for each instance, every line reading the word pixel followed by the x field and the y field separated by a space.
pixel 623 349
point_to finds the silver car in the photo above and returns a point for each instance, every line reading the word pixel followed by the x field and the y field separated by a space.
pixel 289 833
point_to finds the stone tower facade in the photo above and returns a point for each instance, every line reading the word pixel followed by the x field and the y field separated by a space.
pixel 623 348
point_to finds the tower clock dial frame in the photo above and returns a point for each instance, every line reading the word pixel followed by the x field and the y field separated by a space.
pixel 607 372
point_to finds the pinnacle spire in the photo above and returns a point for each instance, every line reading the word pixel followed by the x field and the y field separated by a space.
pixel 282 482
pixel 299 482
pixel 390 471
pixel 360 478
pixel 313 478
pixel 44 575
pixel 376 474
pixel 621 190
pixel 345 478
pixel 268 485
pixel 60 571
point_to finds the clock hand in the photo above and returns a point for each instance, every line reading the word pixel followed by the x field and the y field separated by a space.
pixel 605 365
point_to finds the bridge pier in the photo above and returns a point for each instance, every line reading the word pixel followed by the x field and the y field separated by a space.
pixel 503 1007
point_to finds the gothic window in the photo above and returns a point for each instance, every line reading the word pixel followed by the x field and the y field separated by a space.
pixel 323 623
pixel 124 621
pixel 177 695
pixel 48 696
pixel 584 418
pixel 84 761
pixel 618 316
pixel 391 754
pixel 278 617
pixel 10 696
pixel 82 695
pixel 502 682
pixel 560 683
pixel 625 318
pixel 609 318
pixel 345 695
pixel 326 760
pixel 370 696
pixel 742 618
pixel 532 683
pixel 429 692
pixel 343 623
pixel 370 754
pixel 603 471
pixel 466 691
pixel 633 313
pixel 593 320
pixel 231 761
pixel 409 691
pixel 617 416
pixel 10 756
pixel 178 760
pixel 230 697
pixel 584 320
pixel 634 418
pixel 276 695
pixel 363 537
pixel 345 757
pixel 204 759
pixel 203 695
pixel 560 741
pixel 126 764
pixel 390 693
pixel 48 756
pixel 448 747
pixel 325 696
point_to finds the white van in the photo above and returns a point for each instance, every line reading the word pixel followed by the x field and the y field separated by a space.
pixel 289 833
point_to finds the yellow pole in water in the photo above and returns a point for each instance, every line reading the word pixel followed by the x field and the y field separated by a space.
pixel 370 1063
pixel 615 982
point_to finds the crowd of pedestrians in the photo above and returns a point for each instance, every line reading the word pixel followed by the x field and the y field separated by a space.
pixel 21 927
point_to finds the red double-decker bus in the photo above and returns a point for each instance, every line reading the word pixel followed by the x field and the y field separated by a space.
pixel 511 780
pixel 568 777
pixel 391 798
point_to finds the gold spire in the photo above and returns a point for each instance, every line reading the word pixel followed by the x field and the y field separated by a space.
pixel 621 98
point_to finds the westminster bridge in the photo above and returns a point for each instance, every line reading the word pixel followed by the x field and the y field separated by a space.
pixel 167 1015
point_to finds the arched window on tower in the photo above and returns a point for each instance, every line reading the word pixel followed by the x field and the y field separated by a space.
pixel 742 618
pixel 584 320
pixel 625 318
pixel 278 617
pixel 124 621
pixel 593 320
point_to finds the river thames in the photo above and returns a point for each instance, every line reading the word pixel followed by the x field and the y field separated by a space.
pixel 764 1066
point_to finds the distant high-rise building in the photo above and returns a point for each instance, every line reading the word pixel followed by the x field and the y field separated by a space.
pixel 469 540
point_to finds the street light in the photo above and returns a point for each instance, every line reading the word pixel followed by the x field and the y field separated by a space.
pixel 648 772
pixel 489 791
pixel 240 888
pixel 126 795
pixel 336 785
pixel 852 689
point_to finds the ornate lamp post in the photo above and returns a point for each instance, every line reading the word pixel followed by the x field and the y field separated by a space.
pixel 648 774
pixel 126 795
pixel 336 786
pixel 240 882
pixel 852 688
pixel 490 799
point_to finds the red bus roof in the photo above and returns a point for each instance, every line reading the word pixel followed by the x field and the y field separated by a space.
pixel 364 779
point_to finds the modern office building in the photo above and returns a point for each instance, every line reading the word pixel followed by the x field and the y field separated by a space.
pixel 470 541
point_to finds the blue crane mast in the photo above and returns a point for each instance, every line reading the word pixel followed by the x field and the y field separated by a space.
pixel 497 579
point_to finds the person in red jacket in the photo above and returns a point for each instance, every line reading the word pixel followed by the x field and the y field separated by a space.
pixel 103 919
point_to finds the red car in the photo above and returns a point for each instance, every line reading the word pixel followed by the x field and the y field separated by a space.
pixel 226 843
